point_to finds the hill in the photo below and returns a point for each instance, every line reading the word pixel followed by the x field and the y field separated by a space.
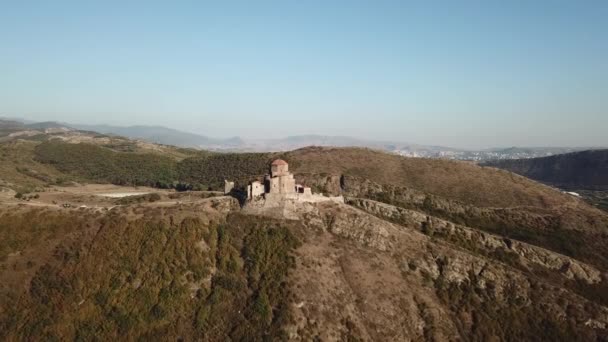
pixel 485 198
pixel 49 125
pixel 91 162
pixel 423 249
pixel 462 181
pixel 94 159
pixel 32 160
pixel 10 124
pixel 207 270
pixel 165 136
pixel 586 170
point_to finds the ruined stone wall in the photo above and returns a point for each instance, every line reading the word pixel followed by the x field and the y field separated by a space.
pixel 228 186
pixel 257 189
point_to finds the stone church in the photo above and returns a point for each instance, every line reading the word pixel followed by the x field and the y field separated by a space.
pixel 279 187
pixel 278 183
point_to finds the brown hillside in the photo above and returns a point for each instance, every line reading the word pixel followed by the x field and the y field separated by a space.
pixel 461 181
pixel 207 271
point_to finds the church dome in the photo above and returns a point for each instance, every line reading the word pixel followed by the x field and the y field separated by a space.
pixel 279 162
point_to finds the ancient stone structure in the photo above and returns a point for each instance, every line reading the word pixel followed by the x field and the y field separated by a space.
pixel 279 187
pixel 255 189
pixel 277 183
pixel 280 181
pixel 228 186
pixel 300 189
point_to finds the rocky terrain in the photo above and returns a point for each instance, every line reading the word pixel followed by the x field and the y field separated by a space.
pixel 421 250
pixel 375 273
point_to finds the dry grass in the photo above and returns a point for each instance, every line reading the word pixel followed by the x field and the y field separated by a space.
pixel 20 171
pixel 461 181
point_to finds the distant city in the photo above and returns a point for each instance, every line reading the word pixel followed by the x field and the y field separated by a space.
pixel 485 155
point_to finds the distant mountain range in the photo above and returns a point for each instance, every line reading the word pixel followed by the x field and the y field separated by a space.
pixel 154 134
pixel 169 136
pixel 163 135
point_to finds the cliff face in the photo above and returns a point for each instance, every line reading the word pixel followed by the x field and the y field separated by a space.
pixel 474 264
pixel 565 225
pixel 587 170
pixel 361 276
pixel 523 255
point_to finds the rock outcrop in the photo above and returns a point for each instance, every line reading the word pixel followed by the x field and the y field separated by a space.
pixel 522 254
pixel 361 276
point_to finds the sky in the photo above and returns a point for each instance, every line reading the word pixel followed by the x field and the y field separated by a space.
pixel 466 74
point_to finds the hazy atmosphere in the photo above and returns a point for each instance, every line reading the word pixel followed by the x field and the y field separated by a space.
pixel 304 170
pixel 465 74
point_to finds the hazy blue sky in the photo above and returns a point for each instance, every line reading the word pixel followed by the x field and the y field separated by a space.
pixel 458 73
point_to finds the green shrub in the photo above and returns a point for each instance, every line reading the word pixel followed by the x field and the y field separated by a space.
pixel 133 280
pixel 212 170
pixel 124 167
pixel 99 164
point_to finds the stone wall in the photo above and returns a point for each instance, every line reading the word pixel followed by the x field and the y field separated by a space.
pixel 228 186
pixel 255 189
pixel 282 184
